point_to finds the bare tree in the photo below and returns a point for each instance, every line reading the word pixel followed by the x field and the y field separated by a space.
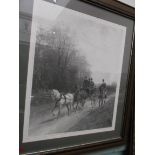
pixel 58 63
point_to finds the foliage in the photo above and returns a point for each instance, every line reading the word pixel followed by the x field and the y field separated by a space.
pixel 58 63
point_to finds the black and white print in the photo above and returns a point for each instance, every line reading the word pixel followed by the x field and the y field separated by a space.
pixel 74 72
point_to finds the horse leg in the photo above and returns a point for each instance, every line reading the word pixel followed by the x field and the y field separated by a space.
pixel 71 106
pixel 59 111
pixel 102 102
pixel 77 105
pixel 92 102
pixel 54 109
pixel 99 102
pixel 67 106
pixel 83 103
pixel 74 106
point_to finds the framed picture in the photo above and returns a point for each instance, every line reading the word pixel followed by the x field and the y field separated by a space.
pixel 76 70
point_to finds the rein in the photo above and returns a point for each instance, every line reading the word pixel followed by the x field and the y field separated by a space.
pixel 61 95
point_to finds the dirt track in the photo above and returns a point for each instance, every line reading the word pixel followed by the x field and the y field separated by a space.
pixel 42 122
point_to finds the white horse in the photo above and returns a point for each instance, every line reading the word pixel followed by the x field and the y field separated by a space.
pixel 62 100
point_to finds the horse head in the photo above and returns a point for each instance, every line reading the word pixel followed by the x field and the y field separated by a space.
pixel 55 94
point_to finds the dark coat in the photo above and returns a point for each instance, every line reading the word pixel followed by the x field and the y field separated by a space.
pixel 102 87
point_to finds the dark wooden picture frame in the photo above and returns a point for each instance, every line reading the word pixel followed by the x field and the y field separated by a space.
pixel 128 12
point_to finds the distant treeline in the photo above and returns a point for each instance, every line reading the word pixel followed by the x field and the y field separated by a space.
pixel 58 63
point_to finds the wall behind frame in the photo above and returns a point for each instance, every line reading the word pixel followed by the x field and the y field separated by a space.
pixel 128 2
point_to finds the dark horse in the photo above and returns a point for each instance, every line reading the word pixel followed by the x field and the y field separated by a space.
pixel 80 97
pixel 102 98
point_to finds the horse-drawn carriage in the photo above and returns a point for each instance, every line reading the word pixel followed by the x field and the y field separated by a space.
pixel 73 101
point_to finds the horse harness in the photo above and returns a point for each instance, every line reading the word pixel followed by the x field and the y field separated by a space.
pixel 61 96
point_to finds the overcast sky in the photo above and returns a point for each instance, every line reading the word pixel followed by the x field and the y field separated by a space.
pixel 101 42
